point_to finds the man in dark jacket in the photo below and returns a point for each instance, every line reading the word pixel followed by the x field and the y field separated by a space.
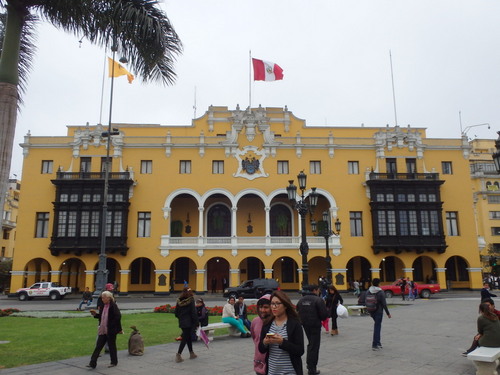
pixel 378 313
pixel 312 311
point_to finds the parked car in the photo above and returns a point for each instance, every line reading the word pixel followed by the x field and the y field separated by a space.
pixel 43 289
pixel 254 288
pixel 423 290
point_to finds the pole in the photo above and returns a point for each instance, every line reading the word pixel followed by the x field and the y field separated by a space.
pixel 304 246
pixel 102 272
pixel 393 92
pixel 250 80
pixel 328 258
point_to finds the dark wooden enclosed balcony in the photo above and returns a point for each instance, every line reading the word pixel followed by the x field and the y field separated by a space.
pixel 92 175
pixel 404 176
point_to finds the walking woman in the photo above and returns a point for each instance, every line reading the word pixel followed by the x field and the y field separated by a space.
pixel 109 326
pixel 333 298
pixel 282 337
pixel 185 312
pixel 229 316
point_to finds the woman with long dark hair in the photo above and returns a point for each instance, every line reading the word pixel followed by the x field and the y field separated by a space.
pixel 488 328
pixel 185 311
pixel 282 337
pixel 333 298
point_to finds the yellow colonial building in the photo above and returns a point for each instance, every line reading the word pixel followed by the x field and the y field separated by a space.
pixel 9 219
pixel 486 194
pixel 207 202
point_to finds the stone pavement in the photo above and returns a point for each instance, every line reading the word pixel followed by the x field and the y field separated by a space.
pixel 424 337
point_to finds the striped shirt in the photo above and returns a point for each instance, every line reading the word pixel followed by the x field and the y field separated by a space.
pixel 279 362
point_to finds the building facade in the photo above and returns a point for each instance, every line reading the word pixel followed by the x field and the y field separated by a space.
pixel 9 220
pixel 207 204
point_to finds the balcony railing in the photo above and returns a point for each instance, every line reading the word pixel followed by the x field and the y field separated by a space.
pixel 8 224
pixel 92 175
pixel 277 242
pixel 404 176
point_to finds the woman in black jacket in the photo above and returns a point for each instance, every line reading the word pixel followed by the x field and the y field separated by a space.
pixel 185 311
pixel 333 298
pixel 109 326
pixel 282 333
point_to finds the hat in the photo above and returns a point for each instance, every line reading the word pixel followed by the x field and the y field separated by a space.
pixel 264 300
pixel 109 286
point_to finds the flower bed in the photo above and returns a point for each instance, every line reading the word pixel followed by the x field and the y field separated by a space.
pixel 7 312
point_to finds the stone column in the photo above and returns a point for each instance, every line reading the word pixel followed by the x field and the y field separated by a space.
pixel 441 277
pixel 55 277
pixel 234 278
pixel 408 272
pixel 475 277
pixel 124 281
pixel 375 273
pixel 162 282
pixel 16 280
pixel 301 276
pixel 89 279
pixel 201 284
pixel 268 273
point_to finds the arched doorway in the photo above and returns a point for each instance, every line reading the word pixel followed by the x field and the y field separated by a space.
pixel 358 268
pixel 36 270
pixel 391 269
pixel 217 274
pixel 113 270
pixel 73 274
pixel 424 270
pixel 280 219
pixel 457 275
pixel 141 275
pixel 251 268
pixel 285 272
pixel 219 221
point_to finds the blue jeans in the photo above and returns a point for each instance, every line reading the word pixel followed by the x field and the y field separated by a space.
pixel 377 318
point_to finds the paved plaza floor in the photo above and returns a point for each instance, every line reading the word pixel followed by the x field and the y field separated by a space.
pixel 423 337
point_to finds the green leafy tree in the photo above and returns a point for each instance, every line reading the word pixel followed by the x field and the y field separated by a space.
pixel 137 29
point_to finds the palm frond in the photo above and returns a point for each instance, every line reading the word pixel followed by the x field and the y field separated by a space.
pixel 27 49
pixel 137 29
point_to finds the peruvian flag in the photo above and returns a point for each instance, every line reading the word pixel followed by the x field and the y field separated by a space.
pixel 266 71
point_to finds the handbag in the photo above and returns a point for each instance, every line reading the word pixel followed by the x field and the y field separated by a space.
pixel 342 311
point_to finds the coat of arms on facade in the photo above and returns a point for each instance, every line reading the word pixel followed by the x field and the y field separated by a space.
pixel 250 162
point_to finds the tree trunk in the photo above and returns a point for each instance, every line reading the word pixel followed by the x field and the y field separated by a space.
pixel 8 117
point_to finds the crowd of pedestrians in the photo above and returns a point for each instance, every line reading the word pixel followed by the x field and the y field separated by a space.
pixel 277 331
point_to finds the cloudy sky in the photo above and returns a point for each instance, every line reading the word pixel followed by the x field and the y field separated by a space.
pixel 335 57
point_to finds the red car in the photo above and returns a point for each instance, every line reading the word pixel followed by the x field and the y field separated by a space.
pixel 424 290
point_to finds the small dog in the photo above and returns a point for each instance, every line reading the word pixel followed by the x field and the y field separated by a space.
pixel 135 342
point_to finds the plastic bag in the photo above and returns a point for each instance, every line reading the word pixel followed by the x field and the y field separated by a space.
pixel 342 311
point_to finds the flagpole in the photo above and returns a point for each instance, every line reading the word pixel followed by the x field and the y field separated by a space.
pixel 102 87
pixel 393 91
pixel 250 80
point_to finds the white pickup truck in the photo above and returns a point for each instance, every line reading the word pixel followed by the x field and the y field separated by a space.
pixel 43 289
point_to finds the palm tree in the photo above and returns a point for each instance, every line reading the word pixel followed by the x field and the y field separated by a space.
pixel 137 29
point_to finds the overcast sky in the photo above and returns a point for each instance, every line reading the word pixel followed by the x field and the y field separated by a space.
pixel 335 57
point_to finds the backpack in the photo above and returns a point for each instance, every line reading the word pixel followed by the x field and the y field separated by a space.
pixel 371 301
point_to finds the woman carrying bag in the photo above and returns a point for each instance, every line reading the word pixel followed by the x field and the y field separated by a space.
pixel 333 298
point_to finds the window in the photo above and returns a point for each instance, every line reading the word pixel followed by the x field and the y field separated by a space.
pixel 356 223
pixel 146 166
pixel 85 164
pixel 47 166
pixel 452 223
pixel 103 164
pixel 493 198
pixel 494 214
pixel 66 226
pixel 89 224
pixel 218 167
pixel 283 167
pixel 386 223
pixel 495 231
pixel 447 167
pixel 6 235
pixel 411 165
pixel 391 166
pixel 114 224
pixel 3 252
pixel 408 225
pixel 315 167
pixel 144 224
pixel 185 167
pixel 42 225
pixel 353 167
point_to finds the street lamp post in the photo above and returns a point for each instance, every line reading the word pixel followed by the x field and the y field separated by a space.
pixel 327 232
pixel 303 208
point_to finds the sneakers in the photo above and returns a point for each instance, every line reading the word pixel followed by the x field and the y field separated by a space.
pixel 375 348
pixel 178 358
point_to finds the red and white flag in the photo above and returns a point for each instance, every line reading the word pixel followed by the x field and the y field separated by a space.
pixel 266 71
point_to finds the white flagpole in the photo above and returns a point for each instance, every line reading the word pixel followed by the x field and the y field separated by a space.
pixel 102 87
pixel 393 92
pixel 250 81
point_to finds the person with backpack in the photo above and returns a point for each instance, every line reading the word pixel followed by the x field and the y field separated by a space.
pixel 376 305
